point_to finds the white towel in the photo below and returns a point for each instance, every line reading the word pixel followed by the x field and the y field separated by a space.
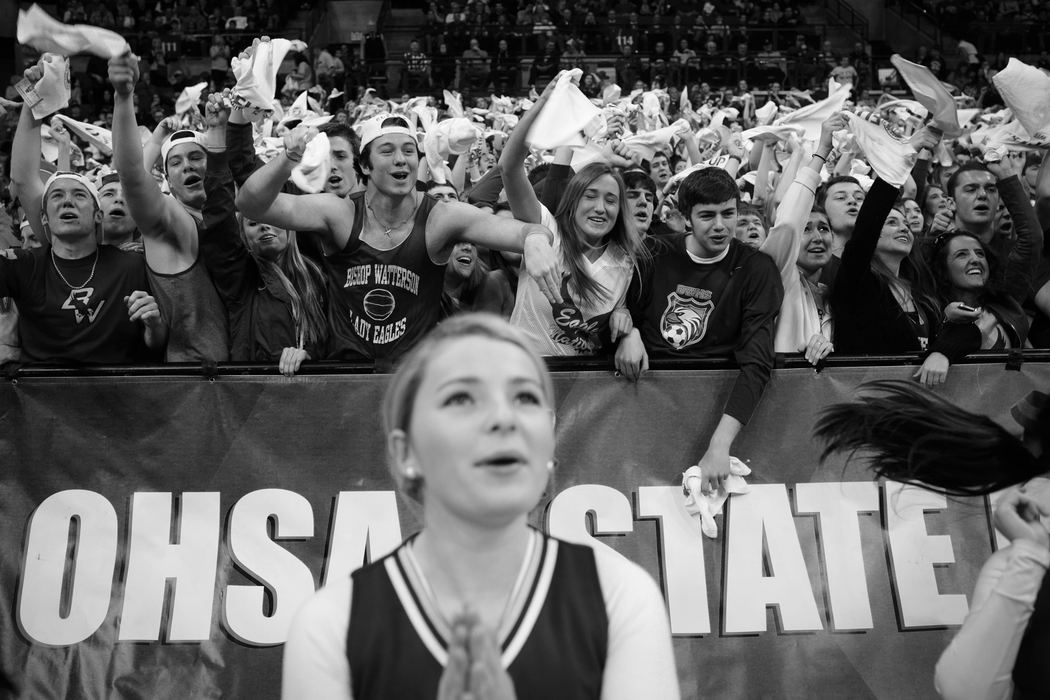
pixel 312 171
pixel 257 76
pixel 766 113
pixel 51 92
pixel 38 29
pixel 445 138
pixel 931 93
pixel 454 103
pixel 649 142
pixel 706 507
pixel 1026 91
pixel 813 115
pixel 568 118
pixel 97 136
pixel 891 159
pixel 189 99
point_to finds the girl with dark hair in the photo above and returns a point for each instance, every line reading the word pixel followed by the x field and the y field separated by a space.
pixel 273 294
pixel 1002 649
pixel 597 242
pixel 978 315
pixel 880 299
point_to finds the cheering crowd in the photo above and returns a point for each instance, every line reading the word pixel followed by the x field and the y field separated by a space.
pixel 263 223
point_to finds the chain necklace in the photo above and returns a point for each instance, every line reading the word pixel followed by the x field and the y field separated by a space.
pixel 394 227
pixel 54 261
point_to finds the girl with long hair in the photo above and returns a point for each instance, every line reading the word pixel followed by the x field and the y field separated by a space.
pixel 881 299
pixel 274 295
pixel 479 604
pixel 915 437
pixel 598 244
pixel 978 314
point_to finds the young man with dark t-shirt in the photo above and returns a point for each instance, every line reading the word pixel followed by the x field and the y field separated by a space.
pixel 78 301
pixel 705 294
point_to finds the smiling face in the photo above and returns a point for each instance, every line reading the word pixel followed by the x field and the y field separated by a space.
pixel 895 239
pixel 70 211
pixel 392 163
pixel 481 433
pixel 842 205
pixel 935 201
pixel 117 223
pixel 342 179
pixel 966 264
pixel 750 230
pixel 185 172
pixel 463 259
pixel 264 240
pixel 713 227
pixel 815 250
pixel 641 204
pixel 596 212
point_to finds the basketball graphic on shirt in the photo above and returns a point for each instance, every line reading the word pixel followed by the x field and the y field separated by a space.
pixel 379 304
pixel 684 321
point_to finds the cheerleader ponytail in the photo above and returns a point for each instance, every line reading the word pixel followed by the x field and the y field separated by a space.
pixel 916 437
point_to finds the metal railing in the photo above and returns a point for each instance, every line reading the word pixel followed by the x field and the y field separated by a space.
pixel 14 372
pixel 848 16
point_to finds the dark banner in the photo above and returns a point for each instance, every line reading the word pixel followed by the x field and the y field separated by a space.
pixel 159 533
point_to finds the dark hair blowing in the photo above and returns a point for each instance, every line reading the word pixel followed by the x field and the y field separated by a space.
pixel 919 438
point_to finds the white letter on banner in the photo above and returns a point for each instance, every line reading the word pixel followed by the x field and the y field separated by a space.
pixel 44 568
pixel 567 514
pixel 288 579
pixel 153 559
pixel 766 510
pixel 914 553
pixel 365 527
pixel 837 505
pixel 682 549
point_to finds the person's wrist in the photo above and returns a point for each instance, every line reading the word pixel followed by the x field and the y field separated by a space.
pixel 292 156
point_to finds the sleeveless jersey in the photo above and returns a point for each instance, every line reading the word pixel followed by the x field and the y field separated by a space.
pixel 381 302
pixel 554 638
pixel 196 316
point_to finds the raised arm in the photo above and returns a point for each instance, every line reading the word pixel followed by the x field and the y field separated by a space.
pixel 261 198
pixel 520 195
pixel 1020 265
pixel 25 166
pixel 158 217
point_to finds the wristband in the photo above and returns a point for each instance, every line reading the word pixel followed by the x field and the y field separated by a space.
pixel 817 155
pixel 294 159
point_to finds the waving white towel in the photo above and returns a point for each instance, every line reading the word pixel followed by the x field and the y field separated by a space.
pixel 312 172
pixel 568 118
pixel 257 76
pixel 51 92
pixel 930 93
pixel 44 33
pixel 1026 91
pixel 705 507
pixel 891 159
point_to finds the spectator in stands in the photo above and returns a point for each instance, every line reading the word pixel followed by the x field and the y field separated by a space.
pixel 705 294
pixel 546 65
pixel 596 243
pixel 325 69
pixel 841 197
pixel 78 301
pixel 505 70
pixel 416 67
pixel 475 67
pixel 628 68
pixel 219 51
pixel 881 300
pixel 274 295
pixel 845 73
pixel 170 224
pixel 660 169
pixel 443 67
pixel 387 293
pixel 684 58
pixel 802 59
pixel 301 78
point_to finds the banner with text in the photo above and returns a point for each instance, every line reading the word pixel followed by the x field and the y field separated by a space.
pixel 159 533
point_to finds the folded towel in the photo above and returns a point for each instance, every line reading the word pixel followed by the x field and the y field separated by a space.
pixel 257 76
pixel 568 119
pixel 51 92
pixel 1026 91
pixel 312 171
pixel 930 93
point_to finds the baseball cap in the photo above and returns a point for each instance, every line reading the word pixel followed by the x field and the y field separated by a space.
pixel 179 137
pixel 76 178
pixel 381 125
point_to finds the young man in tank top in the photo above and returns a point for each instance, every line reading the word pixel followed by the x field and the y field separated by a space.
pixel 170 225
pixel 386 248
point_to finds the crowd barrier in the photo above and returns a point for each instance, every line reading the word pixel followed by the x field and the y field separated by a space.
pixel 160 529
